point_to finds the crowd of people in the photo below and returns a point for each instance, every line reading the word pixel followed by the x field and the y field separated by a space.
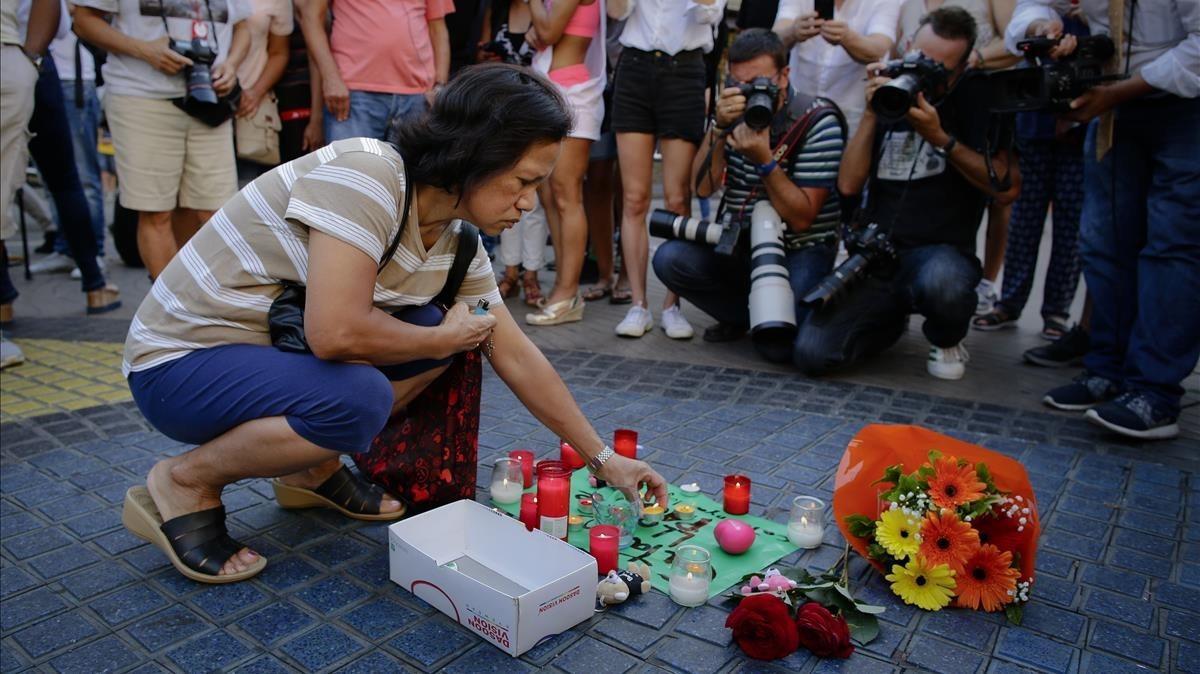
pixel 189 98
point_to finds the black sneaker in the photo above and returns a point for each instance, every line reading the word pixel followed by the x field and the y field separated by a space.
pixel 724 332
pixel 1084 392
pixel 1135 415
pixel 1065 351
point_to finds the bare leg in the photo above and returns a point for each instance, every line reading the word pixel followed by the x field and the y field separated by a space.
pixel 156 241
pixel 598 204
pixel 997 240
pixel 636 153
pixel 677 187
pixel 186 222
pixel 566 184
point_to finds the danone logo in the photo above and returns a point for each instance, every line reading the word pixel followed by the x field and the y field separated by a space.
pixel 489 629
pixel 561 599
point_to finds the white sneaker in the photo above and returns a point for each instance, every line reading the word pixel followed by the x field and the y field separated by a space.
pixel 986 297
pixel 637 322
pixel 948 363
pixel 76 274
pixel 675 325
pixel 53 263
pixel 10 354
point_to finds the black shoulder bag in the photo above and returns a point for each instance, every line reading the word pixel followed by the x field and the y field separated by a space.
pixel 285 319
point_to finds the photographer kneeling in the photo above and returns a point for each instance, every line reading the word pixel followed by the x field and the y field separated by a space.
pixel 786 154
pixel 928 189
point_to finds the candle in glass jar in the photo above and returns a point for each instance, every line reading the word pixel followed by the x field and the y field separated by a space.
pixel 806 526
pixel 526 458
pixel 506 491
pixel 602 543
pixel 529 511
pixel 554 497
pixel 737 494
pixel 568 455
pixel 689 584
pixel 625 442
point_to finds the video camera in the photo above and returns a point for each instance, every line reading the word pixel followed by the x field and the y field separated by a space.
pixel 913 74
pixel 199 74
pixel 871 251
pixel 1050 84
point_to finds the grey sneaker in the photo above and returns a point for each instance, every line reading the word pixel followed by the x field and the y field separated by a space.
pixel 1135 415
pixel 10 354
pixel 1084 392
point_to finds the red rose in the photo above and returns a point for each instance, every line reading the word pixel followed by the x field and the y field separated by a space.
pixel 826 635
pixel 762 626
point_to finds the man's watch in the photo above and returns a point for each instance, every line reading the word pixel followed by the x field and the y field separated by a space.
pixel 597 462
pixel 35 59
pixel 944 151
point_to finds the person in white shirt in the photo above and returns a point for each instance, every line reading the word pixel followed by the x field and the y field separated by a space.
pixel 828 55
pixel 658 95
pixel 1139 241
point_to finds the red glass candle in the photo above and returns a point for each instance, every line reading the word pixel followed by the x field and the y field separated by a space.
pixel 625 442
pixel 554 497
pixel 602 543
pixel 526 458
pixel 737 494
pixel 568 455
pixel 529 511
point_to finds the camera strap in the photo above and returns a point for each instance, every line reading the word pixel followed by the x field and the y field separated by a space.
pixel 162 14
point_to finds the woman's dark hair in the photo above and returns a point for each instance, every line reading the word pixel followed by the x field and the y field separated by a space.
pixel 755 42
pixel 953 23
pixel 481 123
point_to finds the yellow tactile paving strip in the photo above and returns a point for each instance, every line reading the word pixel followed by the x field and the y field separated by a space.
pixel 59 375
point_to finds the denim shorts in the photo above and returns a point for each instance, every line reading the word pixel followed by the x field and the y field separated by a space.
pixel 334 405
pixel 660 94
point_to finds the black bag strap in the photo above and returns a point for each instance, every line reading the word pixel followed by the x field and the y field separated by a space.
pixel 78 74
pixel 468 245
pixel 391 249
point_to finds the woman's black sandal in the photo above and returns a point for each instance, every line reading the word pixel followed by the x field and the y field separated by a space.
pixel 197 544
pixel 344 492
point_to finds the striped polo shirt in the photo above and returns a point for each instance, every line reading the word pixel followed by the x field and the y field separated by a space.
pixel 220 285
pixel 814 165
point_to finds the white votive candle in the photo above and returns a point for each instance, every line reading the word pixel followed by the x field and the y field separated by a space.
pixel 805 534
pixel 506 491
pixel 689 590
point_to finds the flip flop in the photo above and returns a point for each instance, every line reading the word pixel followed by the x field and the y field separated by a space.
pixel 197 544
pixel 621 296
pixel 596 292
pixel 343 492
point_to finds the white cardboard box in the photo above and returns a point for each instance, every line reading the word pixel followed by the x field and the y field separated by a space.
pixel 482 568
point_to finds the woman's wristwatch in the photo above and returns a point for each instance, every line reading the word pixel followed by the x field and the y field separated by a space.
pixel 597 462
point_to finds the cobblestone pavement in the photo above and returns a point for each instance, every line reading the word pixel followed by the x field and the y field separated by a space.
pixel 1119 569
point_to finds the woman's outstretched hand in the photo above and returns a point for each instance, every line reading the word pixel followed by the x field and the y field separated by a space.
pixel 628 476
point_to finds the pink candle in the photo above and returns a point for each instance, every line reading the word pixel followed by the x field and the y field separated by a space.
pixel 554 497
pixel 737 494
pixel 602 543
pixel 625 442
pixel 526 458
pixel 529 511
pixel 568 455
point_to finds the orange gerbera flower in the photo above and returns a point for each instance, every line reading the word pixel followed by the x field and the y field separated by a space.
pixel 952 486
pixel 988 580
pixel 945 539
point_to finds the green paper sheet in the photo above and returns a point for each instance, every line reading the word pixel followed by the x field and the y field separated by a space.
pixel 655 545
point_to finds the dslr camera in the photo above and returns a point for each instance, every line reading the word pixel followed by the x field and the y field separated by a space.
pixel 761 94
pixel 1049 84
pixel 871 251
pixel 199 74
pixel 913 74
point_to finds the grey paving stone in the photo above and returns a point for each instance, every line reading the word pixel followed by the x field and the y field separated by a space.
pixel 1124 582
pixel 167 627
pixel 380 618
pixel 628 635
pixel 374 662
pixel 940 656
pixel 1035 651
pixel 588 656
pixel 432 641
pixel 322 647
pixel 1183 625
pixel 1128 642
pixel 331 594
pixel 962 627
pixel 109 654
pixel 28 607
pixel 1054 622
pixel 1178 596
pixel 486 659
pixel 263 665
pixel 653 610
pixel 89 583
pixel 63 560
pixel 209 652
pixel 692 656
pixel 286 573
pixel 13 580
pixel 221 601
pixel 1136 612
pixel 54 633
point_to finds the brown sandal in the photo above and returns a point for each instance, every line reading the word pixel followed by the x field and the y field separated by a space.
pixel 533 290
pixel 621 296
pixel 508 287
pixel 596 292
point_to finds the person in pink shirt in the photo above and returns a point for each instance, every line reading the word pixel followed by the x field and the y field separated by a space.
pixel 381 63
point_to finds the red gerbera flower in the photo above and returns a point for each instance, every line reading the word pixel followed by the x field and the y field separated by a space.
pixel 945 539
pixel 952 485
pixel 1000 530
pixel 988 580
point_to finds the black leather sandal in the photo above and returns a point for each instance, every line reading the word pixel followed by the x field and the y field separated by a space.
pixel 343 492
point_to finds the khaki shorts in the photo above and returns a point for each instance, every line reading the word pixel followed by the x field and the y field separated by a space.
pixel 166 158
pixel 17 80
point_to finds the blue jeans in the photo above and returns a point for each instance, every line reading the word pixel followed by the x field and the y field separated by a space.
pixel 720 284
pixel 374 115
pixel 1141 248
pixel 84 118
pixel 937 282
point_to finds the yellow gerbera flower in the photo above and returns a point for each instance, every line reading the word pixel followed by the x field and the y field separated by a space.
pixel 898 533
pixel 922 585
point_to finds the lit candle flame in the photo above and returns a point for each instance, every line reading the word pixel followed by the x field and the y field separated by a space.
pixel 803 521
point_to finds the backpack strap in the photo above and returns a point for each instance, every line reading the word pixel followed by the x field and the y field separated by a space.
pixel 391 249
pixel 468 245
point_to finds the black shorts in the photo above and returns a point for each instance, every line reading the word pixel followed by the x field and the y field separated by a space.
pixel 660 94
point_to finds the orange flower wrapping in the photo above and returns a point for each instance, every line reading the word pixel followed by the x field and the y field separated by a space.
pixel 878 446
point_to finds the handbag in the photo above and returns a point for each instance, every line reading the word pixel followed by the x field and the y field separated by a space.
pixel 257 138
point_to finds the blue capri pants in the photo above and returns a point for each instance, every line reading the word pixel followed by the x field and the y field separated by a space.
pixel 334 405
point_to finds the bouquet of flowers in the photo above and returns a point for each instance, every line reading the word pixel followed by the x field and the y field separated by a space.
pixel 950 522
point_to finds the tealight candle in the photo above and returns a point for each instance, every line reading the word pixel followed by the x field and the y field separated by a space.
pixel 625 442
pixel 689 583
pixel 574 523
pixel 652 515
pixel 525 456
pixel 602 543
pixel 506 481
pixel 806 526
pixel 685 511
pixel 737 494
pixel 585 506
pixel 691 489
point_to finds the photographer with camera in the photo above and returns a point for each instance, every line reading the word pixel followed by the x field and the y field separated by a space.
pixel 767 144
pixel 170 94
pixel 1141 202
pixel 931 153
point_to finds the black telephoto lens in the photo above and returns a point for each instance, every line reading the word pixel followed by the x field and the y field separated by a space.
pixel 760 109
pixel 892 100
